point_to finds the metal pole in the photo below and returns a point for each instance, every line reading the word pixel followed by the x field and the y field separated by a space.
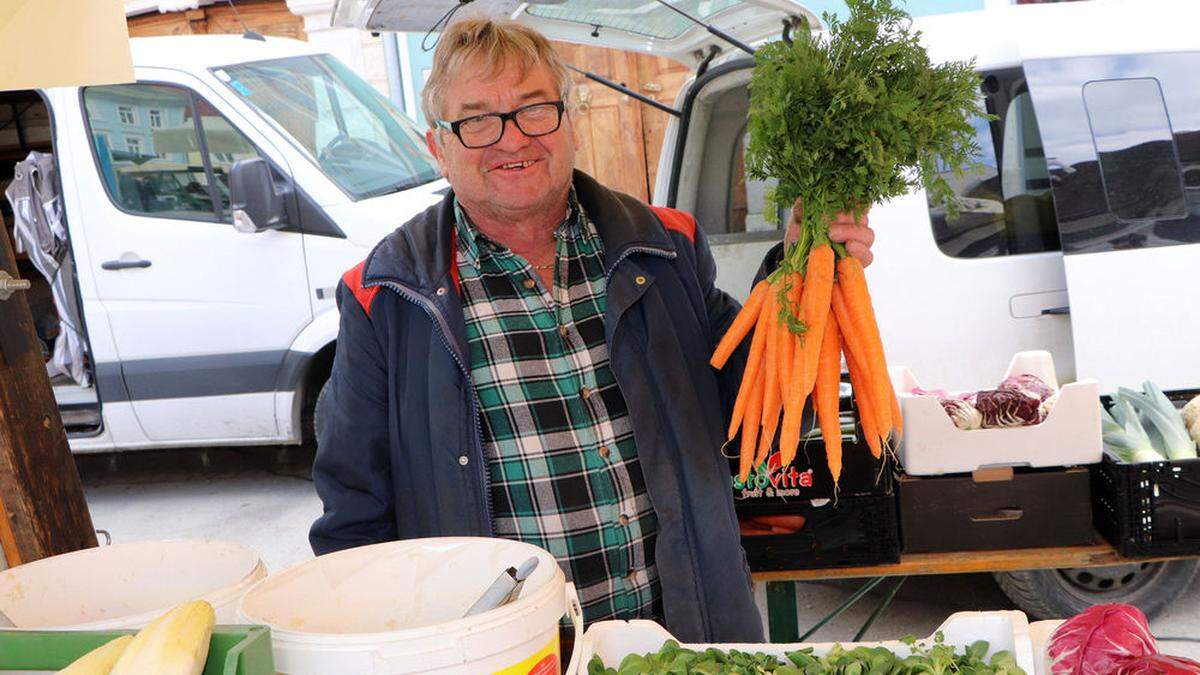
pixel 842 607
pixel 395 76
pixel 879 610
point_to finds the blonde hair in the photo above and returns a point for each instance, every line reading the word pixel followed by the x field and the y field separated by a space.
pixel 494 42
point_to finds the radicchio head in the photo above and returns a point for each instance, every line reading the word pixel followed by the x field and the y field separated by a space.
pixel 1099 640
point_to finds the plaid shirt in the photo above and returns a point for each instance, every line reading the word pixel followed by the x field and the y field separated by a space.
pixel 556 432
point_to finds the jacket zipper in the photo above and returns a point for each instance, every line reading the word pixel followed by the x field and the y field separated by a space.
pixel 443 333
pixel 662 253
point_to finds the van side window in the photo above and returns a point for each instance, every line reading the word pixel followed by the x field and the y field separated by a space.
pixel 163 166
pixel 1139 163
pixel 1124 142
pixel 1007 205
pixel 225 146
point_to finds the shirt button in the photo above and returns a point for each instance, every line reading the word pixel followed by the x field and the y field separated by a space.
pixel 604 451
pixel 632 575
pixel 441 290
pixel 462 460
pixel 585 393
pixel 564 331
pixel 640 280
pixel 530 283
pixel 624 519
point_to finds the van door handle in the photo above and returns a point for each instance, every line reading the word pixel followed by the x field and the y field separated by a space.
pixel 124 264
pixel 1056 311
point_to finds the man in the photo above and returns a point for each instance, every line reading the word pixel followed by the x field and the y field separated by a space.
pixel 528 359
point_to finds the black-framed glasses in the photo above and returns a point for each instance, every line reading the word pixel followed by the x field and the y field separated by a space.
pixel 480 131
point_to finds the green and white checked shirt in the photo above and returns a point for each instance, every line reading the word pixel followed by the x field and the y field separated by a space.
pixel 561 458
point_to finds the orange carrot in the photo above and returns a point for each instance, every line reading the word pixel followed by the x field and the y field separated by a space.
pixel 853 344
pixel 750 425
pixel 826 398
pixel 814 303
pixel 789 339
pixel 741 325
pixel 754 364
pixel 793 407
pixel 861 377
pixel 858 303
pixel 854 336
pixel 770 425
pixel 814 310
pixel 771 369
pixel 866 416
pixel 771 397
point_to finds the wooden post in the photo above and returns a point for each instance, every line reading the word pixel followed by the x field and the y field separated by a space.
pixel 42 507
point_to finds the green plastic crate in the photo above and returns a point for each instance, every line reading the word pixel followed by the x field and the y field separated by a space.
pixel 234 650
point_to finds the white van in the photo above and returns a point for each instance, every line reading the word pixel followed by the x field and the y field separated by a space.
pixel 211 208
pixel 1082 236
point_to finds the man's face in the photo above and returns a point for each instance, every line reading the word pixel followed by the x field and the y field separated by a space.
pixel 479 176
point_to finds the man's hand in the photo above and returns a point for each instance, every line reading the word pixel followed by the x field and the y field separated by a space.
pixel 856 235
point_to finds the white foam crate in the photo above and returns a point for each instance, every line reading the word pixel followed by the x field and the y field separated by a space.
pixel 1040 633
pixel 1069 436
pixel 1003 631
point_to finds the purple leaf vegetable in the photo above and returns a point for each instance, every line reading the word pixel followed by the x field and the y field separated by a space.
pixel 1046 406
pixel 964 415
pixel 1099 640
pixel 1003 408
pixel 1159 664
pixel 1031 385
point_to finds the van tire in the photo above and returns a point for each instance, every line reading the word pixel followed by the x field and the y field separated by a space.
pixel 1063 593
pixel 322 398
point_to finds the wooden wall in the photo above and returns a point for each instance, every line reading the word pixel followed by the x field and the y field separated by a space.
pixel 618 139
pixel 269 17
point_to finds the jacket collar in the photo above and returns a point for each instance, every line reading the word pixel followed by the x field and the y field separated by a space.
pixel 421 253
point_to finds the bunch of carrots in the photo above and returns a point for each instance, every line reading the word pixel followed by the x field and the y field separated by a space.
pixel 811 311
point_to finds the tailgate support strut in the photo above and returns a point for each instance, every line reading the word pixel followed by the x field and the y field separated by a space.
pixel 710 28
pixel 627 91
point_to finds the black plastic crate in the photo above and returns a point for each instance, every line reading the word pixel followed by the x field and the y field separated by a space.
pixel 1150 508
pixel 808 476
pixel 852 532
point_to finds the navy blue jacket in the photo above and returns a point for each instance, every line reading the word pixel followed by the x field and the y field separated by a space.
pixel 400 450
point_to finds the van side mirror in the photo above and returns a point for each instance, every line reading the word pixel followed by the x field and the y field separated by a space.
pixel 256 204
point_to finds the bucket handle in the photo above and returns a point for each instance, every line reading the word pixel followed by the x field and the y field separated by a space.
pixel 575 611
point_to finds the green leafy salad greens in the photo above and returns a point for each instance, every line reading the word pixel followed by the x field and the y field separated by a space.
pixel 938 659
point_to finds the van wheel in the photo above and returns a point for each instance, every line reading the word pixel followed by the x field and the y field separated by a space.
pixel 1063 593
pixel 322 397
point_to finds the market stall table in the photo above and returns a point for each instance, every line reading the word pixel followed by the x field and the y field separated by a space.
pixel 780 590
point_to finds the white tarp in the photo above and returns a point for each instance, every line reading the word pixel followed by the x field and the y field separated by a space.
pixel 40 231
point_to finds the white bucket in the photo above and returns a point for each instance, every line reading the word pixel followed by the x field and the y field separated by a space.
pixel 127 585
pixel 397 608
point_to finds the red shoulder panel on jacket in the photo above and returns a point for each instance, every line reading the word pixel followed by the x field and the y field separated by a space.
pixel 679 221
pixel 353 281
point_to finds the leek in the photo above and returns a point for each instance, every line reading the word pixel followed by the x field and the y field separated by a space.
pixel 1128 440
pixel 1165 417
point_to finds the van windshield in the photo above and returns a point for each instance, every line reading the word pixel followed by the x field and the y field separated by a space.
pixel 357 137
